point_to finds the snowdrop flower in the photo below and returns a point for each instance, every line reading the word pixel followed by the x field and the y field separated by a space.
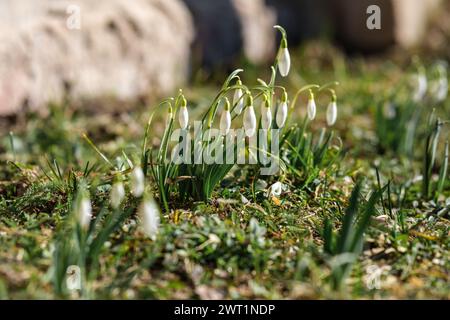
pixel 137 181
pixel 183 116
pixel 282 111
pixel 332 112
pixel 284 59
pixel 225 119
pixel 275 190
pixel 238 100
pixel 73 277
pixel 117 194
pixel 169 115
pixel 311 107
pixel 84 211
pixel 266 114
pixel 249 118
pixel 441 90
pixel 150 215
pixel 421 87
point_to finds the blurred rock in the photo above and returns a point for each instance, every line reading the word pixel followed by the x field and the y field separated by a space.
pixel 257 21
pixel 226 28
pixel 124 49
pixel 403 22
pixel 302 19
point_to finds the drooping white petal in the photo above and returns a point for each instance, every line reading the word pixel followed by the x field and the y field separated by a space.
pixel 249 121
pixel 282 113
pixel 311 109
pixel 284 62
pixel 421 87
pixel 137 181
pixel 238 101
pixel 266 117
pixel 441 91
pixel 150 215
pixel 84 212
pixel 183 117
pixel 73 277
pixel 275 190
pixel 117 194
pixel 225 122
pixel 332 113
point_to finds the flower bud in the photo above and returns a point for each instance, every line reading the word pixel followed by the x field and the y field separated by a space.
pixel 137 181
pixel 332 112
pixel 183 115
pixel 266 114
pixel 282 111
pixel 421 87
pixel 238 100
pixel 150 217
pixel 249 118
pixel 225 119
pixel 311 107
pixel 284 59
pixel 117 194
pixel 83 210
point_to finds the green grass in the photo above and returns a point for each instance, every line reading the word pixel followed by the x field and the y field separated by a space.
pixel 351 200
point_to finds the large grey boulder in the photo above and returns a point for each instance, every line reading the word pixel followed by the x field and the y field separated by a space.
pixel 124 49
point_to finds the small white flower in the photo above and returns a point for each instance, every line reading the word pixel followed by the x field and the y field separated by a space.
pixel 225 119
pixel 238 100
pixel 389 110
pixel 73 278
pixel 169 115
pixel 84 212
pixel 266 115
pixel 421 87
pixel 275 190
pixel 249 118
pixel 284 62
pixel 183 116
pixel 137 181
pixel 117 194
pixel 282 111
pixel 244 200
pixel 311 107
pixel 150 215
pixel 332 113
pixel 440 89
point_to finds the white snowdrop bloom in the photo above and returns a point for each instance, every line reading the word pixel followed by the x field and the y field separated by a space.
pixel 421 87
pixel 169 115
pixel 137 180
pixel 244 200
pixel 311 107
pixel 73 277
pixel 389 110
pixel 440 89
pixel 275 190
pixel 266 115
pixel 150 215
pixel 84 212
pixel 284 60
pixel 332 113
pixel 183 115
pixel 238 100
pixel 249 118
pixel 117 194
pixel 225 119
pixel 282 111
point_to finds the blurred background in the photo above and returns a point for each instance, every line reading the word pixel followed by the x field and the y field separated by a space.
pixel 121 51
